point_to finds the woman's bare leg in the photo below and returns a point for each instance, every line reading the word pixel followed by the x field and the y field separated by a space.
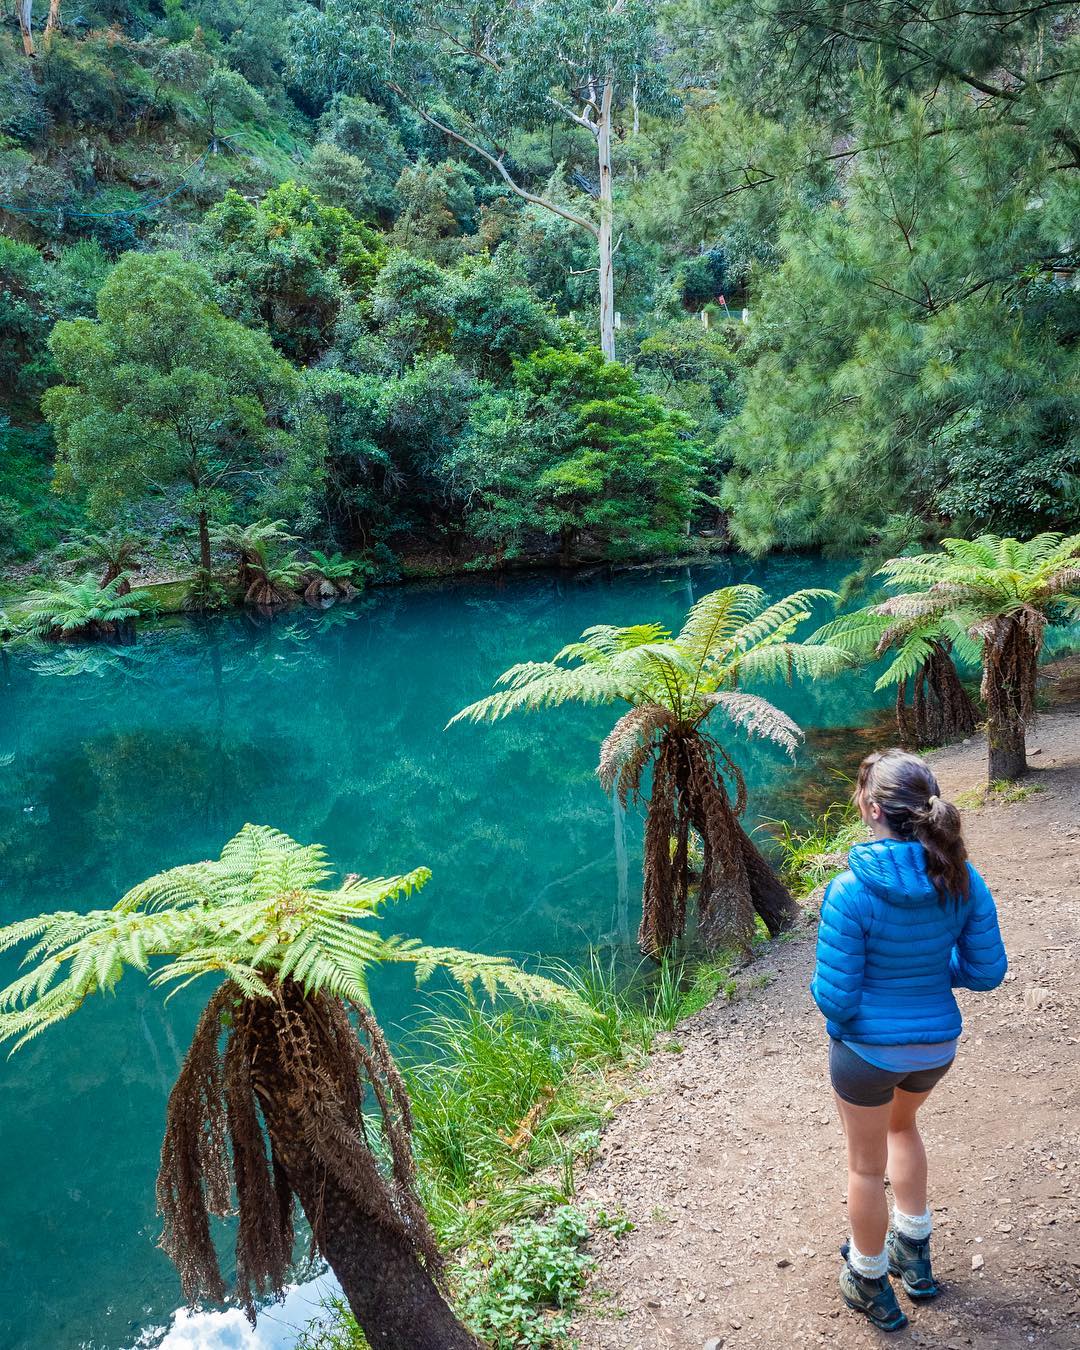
pixel 866 1129
pixel 907 1156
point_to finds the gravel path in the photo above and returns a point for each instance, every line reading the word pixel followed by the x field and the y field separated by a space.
pixel 730 1161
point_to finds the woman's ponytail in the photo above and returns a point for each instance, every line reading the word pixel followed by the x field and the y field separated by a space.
pixel 938 829
pixel 910 801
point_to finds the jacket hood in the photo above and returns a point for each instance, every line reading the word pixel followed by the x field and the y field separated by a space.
pixel 894 869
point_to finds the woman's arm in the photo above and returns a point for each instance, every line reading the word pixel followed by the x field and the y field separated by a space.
pixel 841 951
pixel 978 959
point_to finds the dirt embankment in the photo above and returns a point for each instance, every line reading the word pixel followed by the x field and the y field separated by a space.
pixel 730 1163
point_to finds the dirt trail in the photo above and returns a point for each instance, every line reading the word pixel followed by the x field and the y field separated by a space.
pixel 730 1164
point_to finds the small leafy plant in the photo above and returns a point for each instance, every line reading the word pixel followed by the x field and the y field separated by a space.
pixel 524 1294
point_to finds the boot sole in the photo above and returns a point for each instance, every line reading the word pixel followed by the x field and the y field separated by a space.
pixel 877 1322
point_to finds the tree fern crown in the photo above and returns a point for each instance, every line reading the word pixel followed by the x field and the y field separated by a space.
pixel 729 636
pixel 976 581
pixel 259 914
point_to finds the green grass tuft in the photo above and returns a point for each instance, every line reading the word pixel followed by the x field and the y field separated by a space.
pixel 811 857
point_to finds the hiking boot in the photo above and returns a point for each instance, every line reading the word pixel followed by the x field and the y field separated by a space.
pixel 875 1298
pixel 910 1259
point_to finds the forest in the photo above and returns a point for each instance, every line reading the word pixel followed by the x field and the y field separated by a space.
pixel 746 333
pixel 572 281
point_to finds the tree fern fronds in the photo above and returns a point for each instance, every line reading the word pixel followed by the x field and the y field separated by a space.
pixel 909 660
pixel 246 848
pixel 914 605
pixel 1064 581
pixel 857 633
pixel 547 689
pixel 785 614
pixel 758 717
pixel 72 606
pixel 187 969
pixel 717 615
pixel 190 884
pixel 369 894
pixel 1067 549
pixel 627 748
pixel 24 929
pixel 984 552
pixel 494 974
pixel 788 659
pixel 255 915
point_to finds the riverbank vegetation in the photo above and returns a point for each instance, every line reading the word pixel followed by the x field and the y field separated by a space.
pixel 992 600
pixel 494 1110
pixel 507 1104
pixel 269 1102
pixel 368 276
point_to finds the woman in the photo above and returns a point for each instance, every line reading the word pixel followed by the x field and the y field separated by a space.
pixel 909 922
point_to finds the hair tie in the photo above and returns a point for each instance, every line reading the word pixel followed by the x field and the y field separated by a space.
pixel 932 799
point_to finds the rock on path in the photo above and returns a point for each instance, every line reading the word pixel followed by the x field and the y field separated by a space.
pixel 730 1161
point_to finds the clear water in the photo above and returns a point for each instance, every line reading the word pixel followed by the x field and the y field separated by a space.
pixel 328 726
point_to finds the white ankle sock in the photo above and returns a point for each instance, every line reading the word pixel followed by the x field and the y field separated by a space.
pixel 914 1226
pixel 872 1267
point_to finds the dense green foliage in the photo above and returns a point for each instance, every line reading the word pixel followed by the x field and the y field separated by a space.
pixel 386 215
pixel 508 1100
pixel 1001 593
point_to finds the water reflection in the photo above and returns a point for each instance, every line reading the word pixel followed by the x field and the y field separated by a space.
pixel 278 1326
pixel 328 725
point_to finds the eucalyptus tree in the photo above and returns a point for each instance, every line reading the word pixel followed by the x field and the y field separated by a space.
pixel 480 72
pixel 922 650
pixel 287 1054
pixel 1002 593
pixel 163 392
pixel 674 685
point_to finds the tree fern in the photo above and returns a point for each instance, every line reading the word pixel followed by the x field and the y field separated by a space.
pixel 259 914
pixel 1000 593
pixel 728 635
pixel 73 608
pixel 674 685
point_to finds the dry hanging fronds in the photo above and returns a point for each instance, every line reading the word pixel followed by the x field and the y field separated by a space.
pixel 323 1068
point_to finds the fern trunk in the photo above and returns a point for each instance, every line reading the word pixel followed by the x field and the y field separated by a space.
pixel 1010 666
pixel 391 1294
pixel 736 881
pixel 941 709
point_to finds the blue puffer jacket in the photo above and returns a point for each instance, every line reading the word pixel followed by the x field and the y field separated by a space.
pixel 889 954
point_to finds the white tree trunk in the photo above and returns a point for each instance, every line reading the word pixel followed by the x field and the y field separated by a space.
pixel 604 234
pixel 53 21
pixel 26 14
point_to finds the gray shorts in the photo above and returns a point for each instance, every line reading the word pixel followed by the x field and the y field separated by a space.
pixel 861 1083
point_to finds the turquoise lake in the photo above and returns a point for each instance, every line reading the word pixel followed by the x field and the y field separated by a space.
pixel 328 726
